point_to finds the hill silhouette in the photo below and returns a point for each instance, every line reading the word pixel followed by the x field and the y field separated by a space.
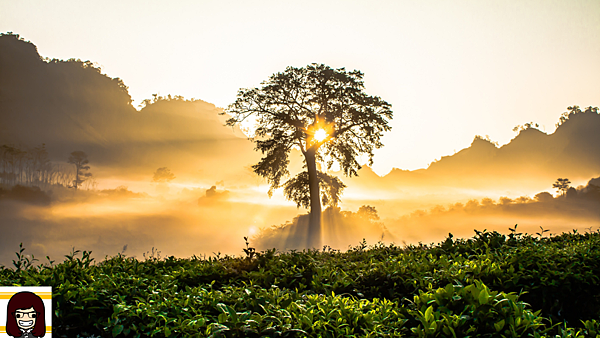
pixel 528 160
pixel 70 105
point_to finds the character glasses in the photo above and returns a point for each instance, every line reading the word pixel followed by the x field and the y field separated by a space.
pixel 20 315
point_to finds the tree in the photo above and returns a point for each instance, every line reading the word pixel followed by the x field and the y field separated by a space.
pixel 326 115
pixel 368 212
pixel 526 126
pixel 80 160
pixel 561 185
pixel 162 175
pixel 574 110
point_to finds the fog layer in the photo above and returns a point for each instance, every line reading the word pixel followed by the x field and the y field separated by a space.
pixel 171 176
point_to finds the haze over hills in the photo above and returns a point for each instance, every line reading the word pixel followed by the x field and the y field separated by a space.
pixel 530 161
pixel 572 150
pixel 70 105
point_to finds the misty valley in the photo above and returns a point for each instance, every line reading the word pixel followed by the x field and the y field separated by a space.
pixel 178 218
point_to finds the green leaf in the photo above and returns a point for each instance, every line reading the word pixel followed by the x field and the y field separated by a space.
pixel 483 296
pixel 222 307
pixel 232 314
pixel 285 303
pixel 222 317
pixel 433 326
pixel 117 330
pixel 429 314
pixel 499 325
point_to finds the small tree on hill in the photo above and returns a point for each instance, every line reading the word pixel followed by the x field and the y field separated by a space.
pixel 80 160
pixel 574 110
pixel 561 185
pixel 163 175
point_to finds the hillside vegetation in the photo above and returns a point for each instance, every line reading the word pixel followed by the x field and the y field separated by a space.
pixel 491 285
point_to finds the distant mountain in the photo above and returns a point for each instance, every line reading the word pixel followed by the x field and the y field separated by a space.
pixel 54 101
pixel 70 105
pixel 572 150
pixel 529 159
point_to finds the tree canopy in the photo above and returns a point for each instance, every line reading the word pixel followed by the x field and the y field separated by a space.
pixel 320 111
pixel 561 185
pixel 163 175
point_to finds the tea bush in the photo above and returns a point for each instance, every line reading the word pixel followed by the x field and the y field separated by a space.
pixel 491 285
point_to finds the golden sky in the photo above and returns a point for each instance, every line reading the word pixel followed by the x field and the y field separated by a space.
pixel 450 69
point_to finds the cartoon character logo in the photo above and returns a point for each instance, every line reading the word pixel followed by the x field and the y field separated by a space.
pixel 25 316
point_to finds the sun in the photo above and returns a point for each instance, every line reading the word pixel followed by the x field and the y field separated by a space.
pixel 320 135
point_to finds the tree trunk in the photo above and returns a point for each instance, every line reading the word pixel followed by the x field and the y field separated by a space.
pixel 314 224
pixel 76 175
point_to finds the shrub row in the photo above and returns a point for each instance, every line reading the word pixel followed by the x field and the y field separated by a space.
pixel 383 290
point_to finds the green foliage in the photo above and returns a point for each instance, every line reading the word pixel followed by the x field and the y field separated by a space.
pixel 491 285
pixel 460 311
pixel 23 262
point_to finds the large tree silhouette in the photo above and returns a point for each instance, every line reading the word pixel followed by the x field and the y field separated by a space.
pixel 324 113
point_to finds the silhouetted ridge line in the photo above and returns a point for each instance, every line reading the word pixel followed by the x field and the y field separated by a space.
pixel 532 156
pixel 70 105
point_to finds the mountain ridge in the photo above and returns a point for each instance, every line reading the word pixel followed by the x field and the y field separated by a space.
pixel 70 105
pixel 532 156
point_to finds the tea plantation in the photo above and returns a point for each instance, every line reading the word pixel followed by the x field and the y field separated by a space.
pixel 491 285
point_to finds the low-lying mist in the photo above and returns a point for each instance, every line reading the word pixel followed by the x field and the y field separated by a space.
pixel 576 209
pixel 214 220
pixel 108 222
pixel 171 176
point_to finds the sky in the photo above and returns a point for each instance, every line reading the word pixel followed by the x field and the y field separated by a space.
pixel 450 69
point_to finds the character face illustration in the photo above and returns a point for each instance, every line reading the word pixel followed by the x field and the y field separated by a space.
pixel 26 318
pixel 25 313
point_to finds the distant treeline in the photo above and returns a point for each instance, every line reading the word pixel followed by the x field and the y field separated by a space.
pixel 20 165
